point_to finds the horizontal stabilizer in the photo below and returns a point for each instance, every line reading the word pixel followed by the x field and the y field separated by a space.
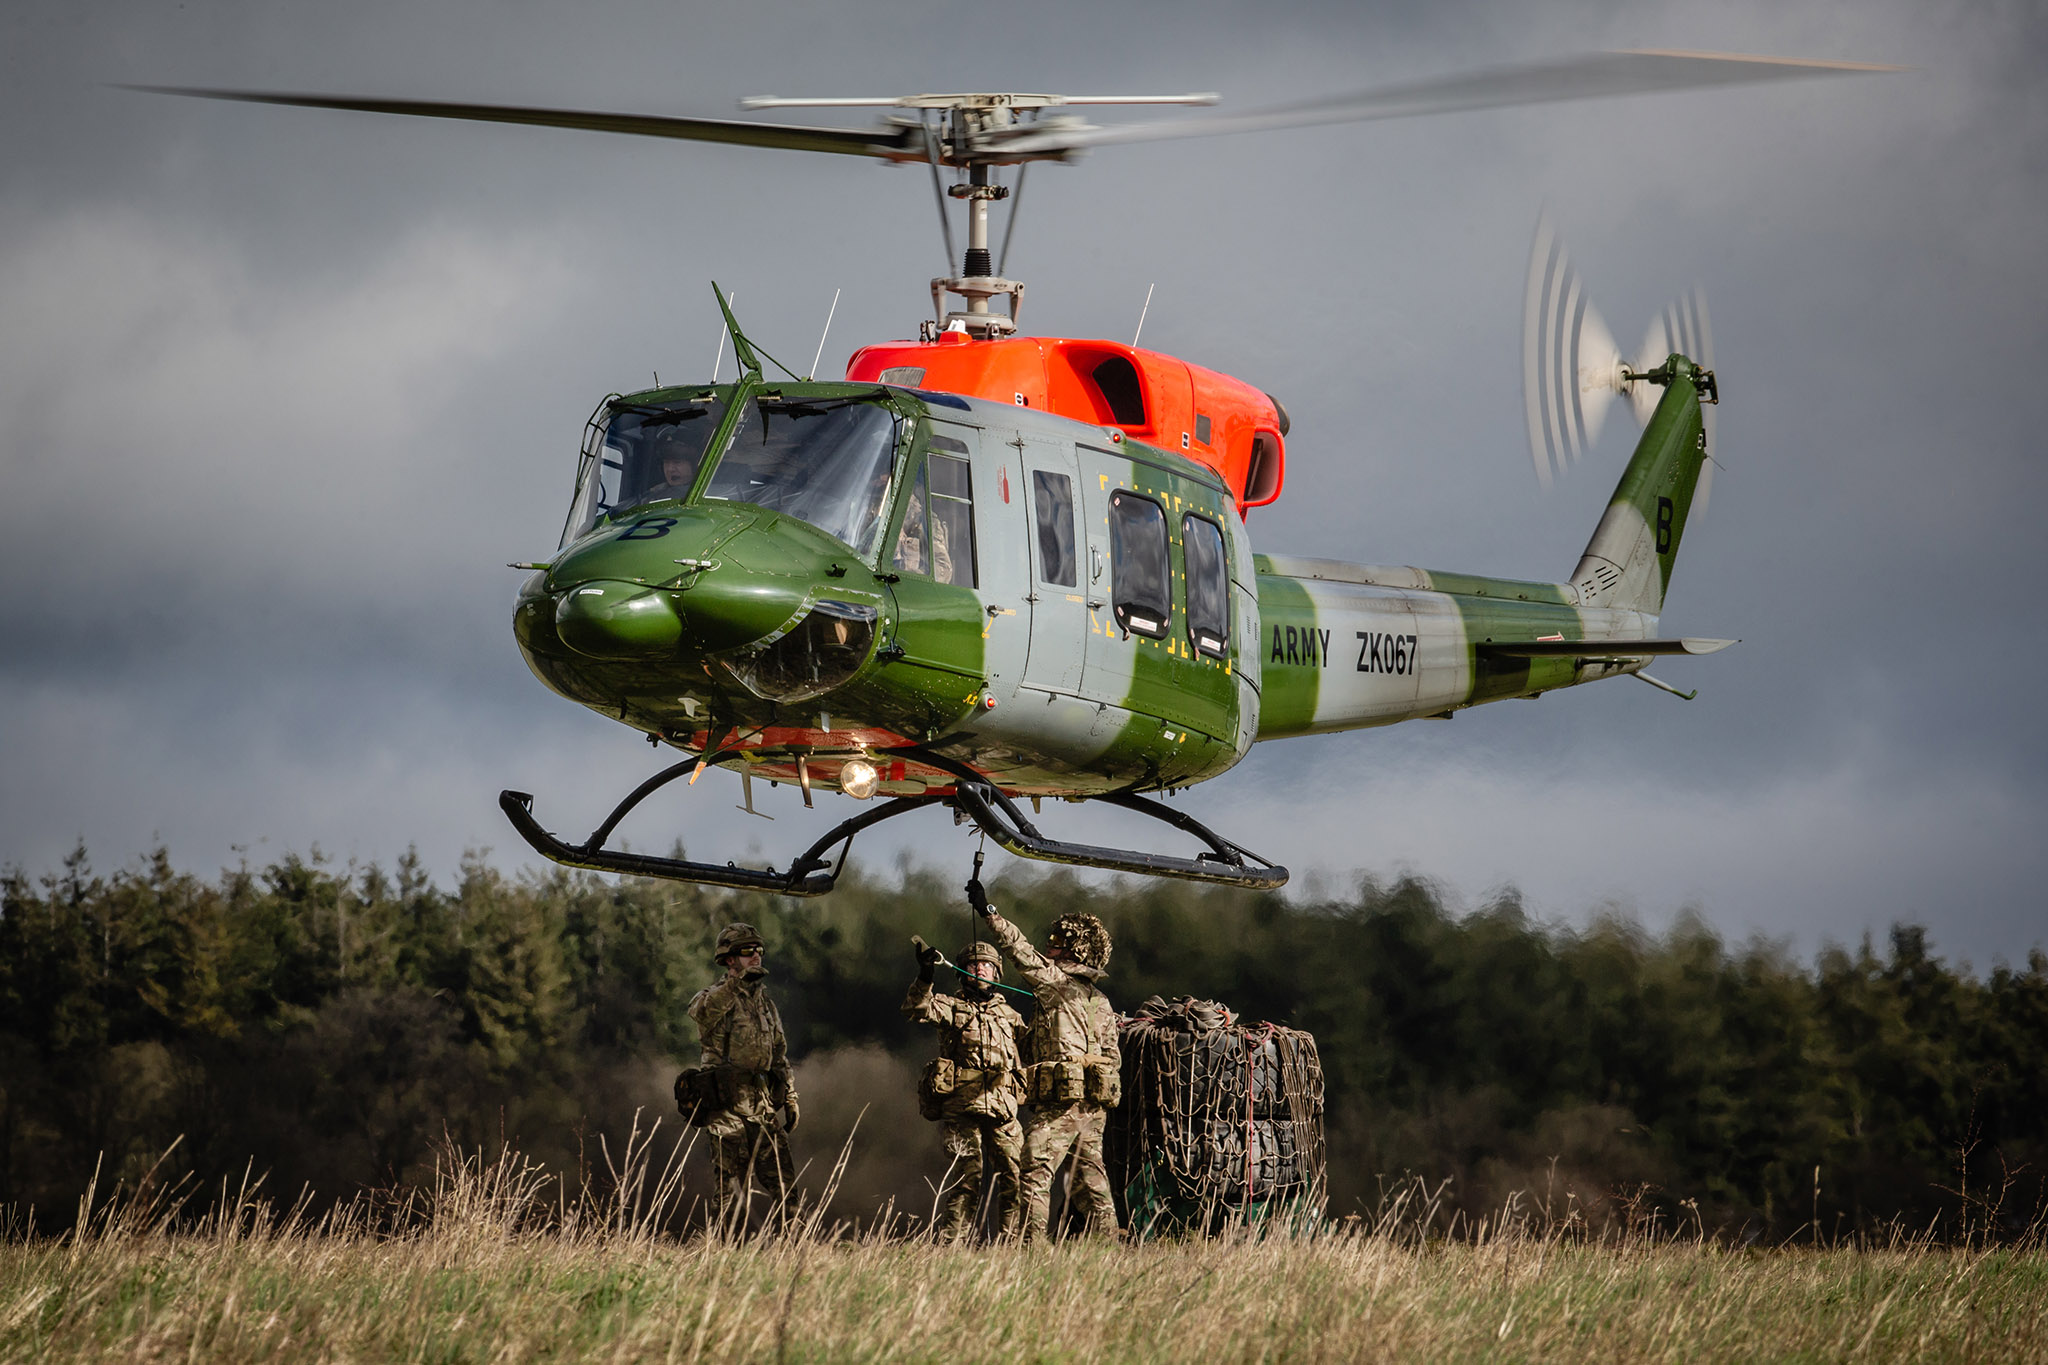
pixel 1619 649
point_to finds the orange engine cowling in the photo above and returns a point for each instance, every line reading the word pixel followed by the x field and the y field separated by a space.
pixel 1222 422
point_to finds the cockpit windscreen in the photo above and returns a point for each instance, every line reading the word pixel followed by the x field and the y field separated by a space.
pixel 824 462
pixel 648 454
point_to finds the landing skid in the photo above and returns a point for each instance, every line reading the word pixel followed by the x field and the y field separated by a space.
pixel 811 875
pixel 814 873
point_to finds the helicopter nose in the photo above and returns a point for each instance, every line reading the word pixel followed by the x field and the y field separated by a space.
pixel 613 620
pixel 735 606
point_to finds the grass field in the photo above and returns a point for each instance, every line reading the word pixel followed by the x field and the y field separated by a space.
pixel 489 1270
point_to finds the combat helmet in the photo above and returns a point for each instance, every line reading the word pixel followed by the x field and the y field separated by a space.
pixel 734 937
pixel 1084 937
pixel 982 951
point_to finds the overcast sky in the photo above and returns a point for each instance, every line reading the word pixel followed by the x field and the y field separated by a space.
pixel 282 390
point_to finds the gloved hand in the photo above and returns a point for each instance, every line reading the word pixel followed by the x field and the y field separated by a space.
pixel 977 897
pixel 790 1113
pixel 928 958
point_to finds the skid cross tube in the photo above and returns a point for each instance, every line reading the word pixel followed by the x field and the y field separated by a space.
pixel 1000 818
pixel 809 875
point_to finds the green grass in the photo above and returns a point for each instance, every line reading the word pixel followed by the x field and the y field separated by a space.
pixel 440 1297
pixel 488 1268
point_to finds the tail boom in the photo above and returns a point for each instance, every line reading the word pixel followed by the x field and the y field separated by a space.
pixel 1345 646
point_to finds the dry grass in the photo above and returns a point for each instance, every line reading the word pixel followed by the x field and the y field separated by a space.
pixel 495 1265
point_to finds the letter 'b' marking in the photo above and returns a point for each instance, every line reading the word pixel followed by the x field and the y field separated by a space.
pixel 1663 526
pixel 648 528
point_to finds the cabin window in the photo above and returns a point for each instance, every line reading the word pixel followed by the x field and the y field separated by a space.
pixel 937 538
pixel 1052 505
pixel 1208 586
pixel 1140 581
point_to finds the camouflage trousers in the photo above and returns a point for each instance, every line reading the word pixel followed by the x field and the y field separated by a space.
pixel 964 1137
pixel 745 1151
pixel 1058 1135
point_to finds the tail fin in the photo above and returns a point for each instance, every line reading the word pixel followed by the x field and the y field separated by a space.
pixel 1628 562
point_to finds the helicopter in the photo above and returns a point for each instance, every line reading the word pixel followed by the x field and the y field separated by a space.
pixel 986 569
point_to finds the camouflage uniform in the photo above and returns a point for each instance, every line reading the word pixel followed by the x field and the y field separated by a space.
pixel 982 1039
pixel 738 1026
pixel 1074 1023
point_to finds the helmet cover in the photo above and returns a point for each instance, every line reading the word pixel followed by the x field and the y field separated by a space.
pixel 1084 937
pixel 735 937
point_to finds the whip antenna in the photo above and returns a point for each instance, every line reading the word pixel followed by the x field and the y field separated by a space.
pixel 829 315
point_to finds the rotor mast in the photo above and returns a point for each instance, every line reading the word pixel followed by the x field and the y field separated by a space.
pixel 973 132
pixel 977 281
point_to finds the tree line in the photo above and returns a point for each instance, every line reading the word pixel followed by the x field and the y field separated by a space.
pixel 332 1025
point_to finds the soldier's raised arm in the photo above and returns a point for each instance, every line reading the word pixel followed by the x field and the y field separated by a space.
pixel 921 1005
pixel 1037 969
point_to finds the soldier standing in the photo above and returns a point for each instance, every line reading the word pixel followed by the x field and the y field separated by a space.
pixel 972 1086
pixel 747 1054
pixel 1074 1079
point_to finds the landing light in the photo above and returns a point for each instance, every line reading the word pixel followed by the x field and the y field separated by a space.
pixel 858 779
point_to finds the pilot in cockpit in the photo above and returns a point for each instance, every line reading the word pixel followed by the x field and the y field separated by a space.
pixel 675 458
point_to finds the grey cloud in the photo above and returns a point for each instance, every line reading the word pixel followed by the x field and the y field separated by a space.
pixel 280 391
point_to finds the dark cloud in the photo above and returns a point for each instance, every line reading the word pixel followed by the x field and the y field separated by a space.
pixel 280 390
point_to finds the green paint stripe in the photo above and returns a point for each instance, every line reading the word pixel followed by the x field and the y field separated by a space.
pixel 1288 692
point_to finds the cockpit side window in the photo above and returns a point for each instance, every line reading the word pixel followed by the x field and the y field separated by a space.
pixel 952 492
pixel 912 543
pixel 937 535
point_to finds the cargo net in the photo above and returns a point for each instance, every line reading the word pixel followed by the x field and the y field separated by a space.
pixel 1221 1121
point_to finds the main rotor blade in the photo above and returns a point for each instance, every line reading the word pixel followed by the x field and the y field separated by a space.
pixel 888 143
pixel 1594 76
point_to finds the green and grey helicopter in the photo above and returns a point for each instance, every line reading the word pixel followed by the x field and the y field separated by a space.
pixel 986 569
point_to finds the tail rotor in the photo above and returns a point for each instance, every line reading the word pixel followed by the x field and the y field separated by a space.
pixel 1573 369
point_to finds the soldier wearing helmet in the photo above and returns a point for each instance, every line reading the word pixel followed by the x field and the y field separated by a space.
pixel 972 1088
pixel 747 1055
pixel 1074 1077
pixel 673 456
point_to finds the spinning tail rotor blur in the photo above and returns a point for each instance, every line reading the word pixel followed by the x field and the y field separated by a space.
pixel 1573 369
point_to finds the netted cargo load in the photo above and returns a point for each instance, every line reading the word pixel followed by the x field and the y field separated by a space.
pixel 1221 1121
